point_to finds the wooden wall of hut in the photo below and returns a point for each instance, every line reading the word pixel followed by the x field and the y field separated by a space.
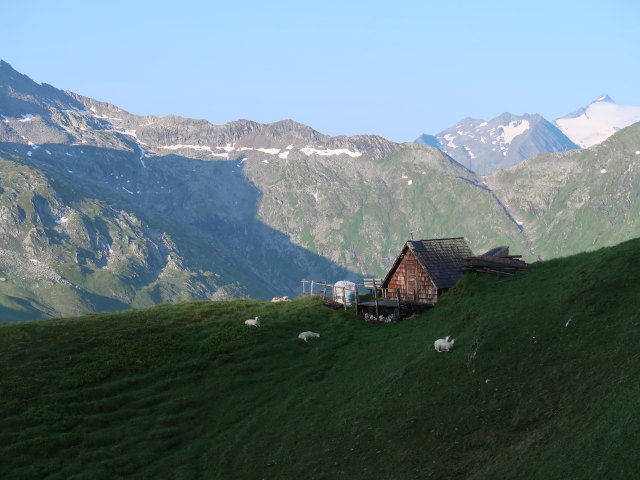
pixel 413 281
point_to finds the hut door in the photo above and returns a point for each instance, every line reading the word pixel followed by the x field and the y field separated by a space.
pixel 412 274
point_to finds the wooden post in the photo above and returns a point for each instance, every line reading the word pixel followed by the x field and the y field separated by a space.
pixel 356 301
pixel 303 292
pixel 398 294
pixel 324 294
pixel 375 297
pixel 311 291
pixel 344 298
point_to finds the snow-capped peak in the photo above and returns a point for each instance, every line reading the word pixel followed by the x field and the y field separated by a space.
pixel 598 121
pixel 501 142
pixel 604 98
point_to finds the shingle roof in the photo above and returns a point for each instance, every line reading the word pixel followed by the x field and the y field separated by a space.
pixel 443 258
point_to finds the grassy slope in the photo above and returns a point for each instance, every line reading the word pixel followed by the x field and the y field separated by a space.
pixel 186 391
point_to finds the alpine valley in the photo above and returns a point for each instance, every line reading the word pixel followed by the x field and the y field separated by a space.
pixel 104 210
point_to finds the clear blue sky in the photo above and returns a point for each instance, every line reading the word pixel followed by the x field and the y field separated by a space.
pixel 392 68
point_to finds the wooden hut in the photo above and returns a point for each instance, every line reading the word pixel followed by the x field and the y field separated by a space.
pixel 426 268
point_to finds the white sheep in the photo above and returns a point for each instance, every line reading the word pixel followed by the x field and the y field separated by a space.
pixel 280 299
pixel 252 322
pixel 306 335
pixel 444 344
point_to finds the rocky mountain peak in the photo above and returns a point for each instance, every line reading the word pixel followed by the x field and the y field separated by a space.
pixel 604 98
pixel 504 141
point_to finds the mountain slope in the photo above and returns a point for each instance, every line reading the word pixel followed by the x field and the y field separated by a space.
pixel 188 391
pixel 579 200
pixel 63 251
pixel 245 201
pixel 247 209
pixel 499 143
pixel 597 122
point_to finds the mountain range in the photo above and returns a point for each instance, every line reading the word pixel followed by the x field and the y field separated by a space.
pixel 505 141
pixel 104 210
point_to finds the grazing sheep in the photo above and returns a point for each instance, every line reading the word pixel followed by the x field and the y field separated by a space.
pixel 306 335
pixel 444 344
pixel 252 322
pixel 280 299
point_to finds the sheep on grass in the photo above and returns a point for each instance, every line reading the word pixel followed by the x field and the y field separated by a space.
pixel 307 335
pixel 252 322
pixel 444 344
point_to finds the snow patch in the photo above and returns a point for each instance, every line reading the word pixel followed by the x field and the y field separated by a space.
pixel 199 148
pixel 265 161
pixel 469 152
pixel 108 118
pixel 328 151
pixel 315 195
pixel 62 220
pixel 48 152
pixel 227 148
pixel 29 153
pixel 26 118
pixel 410 182
pixel 127 190
pixel 131 133
pixel 603 170
pixel 270 151
pixel 449 138
pixel 284 154
pixel 80 111
pixel 513 129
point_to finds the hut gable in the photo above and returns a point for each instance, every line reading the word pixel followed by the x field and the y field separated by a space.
pixel 426 267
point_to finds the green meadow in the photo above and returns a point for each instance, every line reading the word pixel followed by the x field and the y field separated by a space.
pixel 542 384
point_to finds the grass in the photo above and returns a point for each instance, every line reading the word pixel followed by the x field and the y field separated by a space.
pixel 187 391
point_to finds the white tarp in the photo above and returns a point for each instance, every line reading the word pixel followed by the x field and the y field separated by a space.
pixel 344 289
